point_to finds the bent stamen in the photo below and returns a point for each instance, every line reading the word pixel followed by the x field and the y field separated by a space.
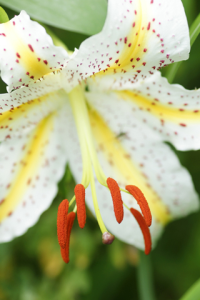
pixel 62 223
pixel 80 201
pixel 117 199
pixel 142 202
pixel 65 251
pixel 144 228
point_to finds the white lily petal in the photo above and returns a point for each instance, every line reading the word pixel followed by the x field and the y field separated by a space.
pixel 138 37
pixel 31 167
pixel 171 111
pixel 27 52
pixel 22 109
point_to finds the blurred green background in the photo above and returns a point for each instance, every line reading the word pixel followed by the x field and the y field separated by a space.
pixel 31 267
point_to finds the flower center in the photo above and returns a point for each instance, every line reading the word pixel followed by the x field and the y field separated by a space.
pixel 90 162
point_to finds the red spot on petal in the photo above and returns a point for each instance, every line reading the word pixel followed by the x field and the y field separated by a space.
pixel 39 59
pixel 182 124
pixel 125 40
pixel 30 47
pixel 149 26
pixel 145 50
pixel 45 61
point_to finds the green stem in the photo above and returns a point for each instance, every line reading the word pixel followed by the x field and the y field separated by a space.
pixel 194 32
pixel 145 278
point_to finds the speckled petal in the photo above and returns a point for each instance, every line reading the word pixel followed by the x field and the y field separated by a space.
pixel 171 111
pixel 31 166
pixel 27 52
pixel 22 109
pixel 138 38
pixel 134 157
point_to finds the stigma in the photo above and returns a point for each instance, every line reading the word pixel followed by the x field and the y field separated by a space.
pixel 91 165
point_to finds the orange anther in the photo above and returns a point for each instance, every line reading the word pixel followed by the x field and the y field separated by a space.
pixel 117 199
pixel 65 251
pixel 62 222
pixel 80 202
pixel 142 202
pixel 144 228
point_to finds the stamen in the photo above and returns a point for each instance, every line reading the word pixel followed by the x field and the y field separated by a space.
pixel 107 238
pixel 145 230
pixel 65 251
pixel 80 202
pixel 117 199
pixel 142 202
pixel 62 222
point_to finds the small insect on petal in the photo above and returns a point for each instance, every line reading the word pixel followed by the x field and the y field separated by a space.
pixel 142 202
pixel 145 230
pixel 62 222
pixel 65 251
pixel 80 202
pixel 117 199
pixel 107 238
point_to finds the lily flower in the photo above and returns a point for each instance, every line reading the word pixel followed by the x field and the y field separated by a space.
pixel 106 111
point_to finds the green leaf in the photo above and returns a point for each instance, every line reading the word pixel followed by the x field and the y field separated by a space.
pixel 84 16
pixel 193 293
pixel 3 16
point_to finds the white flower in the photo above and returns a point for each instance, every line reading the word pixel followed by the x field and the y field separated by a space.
pixel 106 111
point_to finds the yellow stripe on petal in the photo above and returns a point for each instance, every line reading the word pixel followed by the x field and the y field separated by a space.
pixel 135 45
pixel 33 65
pixel 120 160
pixel 29 164
pixel 161 111
pixel 8 117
